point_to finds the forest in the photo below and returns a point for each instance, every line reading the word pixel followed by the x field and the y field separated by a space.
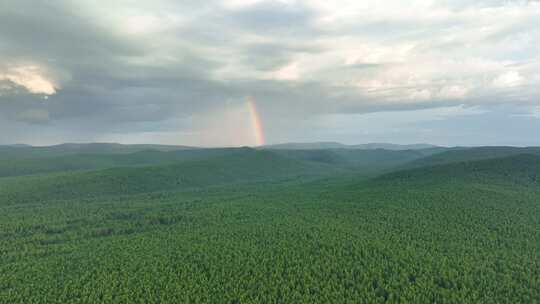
pixel 241 225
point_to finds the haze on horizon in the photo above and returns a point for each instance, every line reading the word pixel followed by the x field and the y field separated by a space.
pixel 246 72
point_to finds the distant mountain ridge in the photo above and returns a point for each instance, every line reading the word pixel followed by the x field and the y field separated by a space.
pixel 306 146
pixel 20 151
pixel 17 146
pixel 113 147
pixel 336 145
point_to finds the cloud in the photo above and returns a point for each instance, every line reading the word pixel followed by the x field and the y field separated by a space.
pixel 535 112
pixel 230 125
pixel 32 78
pixel 34 116
pixel 508 80
pixel 287 72
pixel 132 67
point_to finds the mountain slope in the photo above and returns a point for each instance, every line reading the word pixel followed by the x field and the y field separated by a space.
pixel 455 155
pixel 242 166
pixel 77 162
pixel 366 161
pixel 521 169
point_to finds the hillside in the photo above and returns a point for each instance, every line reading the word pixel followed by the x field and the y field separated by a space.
pixel 520 169
pixel 455 155
pixel 362 161
pixel 78 162
pixel 368 162
pixel 242 166
pixel 272 232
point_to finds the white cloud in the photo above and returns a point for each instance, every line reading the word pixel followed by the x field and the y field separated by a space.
pixel 508 80
pixel 288 72
pixel 30 77
pixel 142 24
pixel 453 92
pixel 420 51
pixel 238 4
pixel 358 52
pixel 421 94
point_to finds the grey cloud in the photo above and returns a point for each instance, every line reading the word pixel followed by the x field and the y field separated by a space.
pixel 111 81
pixel 270 56
pixel 55 31
pixel 273 17
pixel 34 116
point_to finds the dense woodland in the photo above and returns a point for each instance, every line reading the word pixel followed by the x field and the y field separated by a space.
pixel 273 226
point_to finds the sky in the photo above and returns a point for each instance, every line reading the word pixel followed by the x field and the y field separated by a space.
pixel 253 72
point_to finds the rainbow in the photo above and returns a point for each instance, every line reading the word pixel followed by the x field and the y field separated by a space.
pixel 256 121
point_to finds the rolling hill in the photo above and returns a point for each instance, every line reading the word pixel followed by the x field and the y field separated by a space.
pixel 60 159
pixel 362 161
pixel 79 162
pixel 243 165
pixel 517 169
pixel 455 155
pixel 272 231
pixel 269 226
